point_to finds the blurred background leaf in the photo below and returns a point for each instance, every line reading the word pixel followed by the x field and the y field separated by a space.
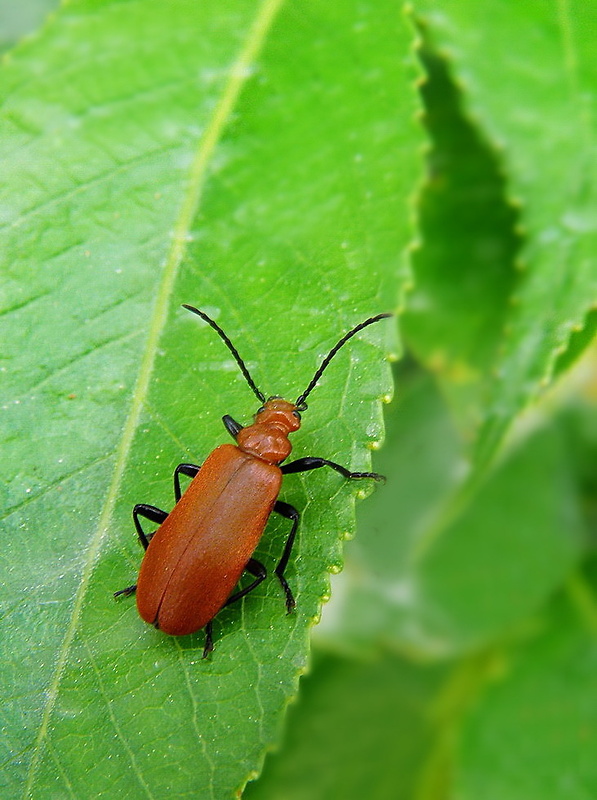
pixel 20 19
pixel 528 76
pixel 361 729
pixel 534 729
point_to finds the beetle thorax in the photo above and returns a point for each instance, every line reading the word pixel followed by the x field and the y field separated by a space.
pixel 267 438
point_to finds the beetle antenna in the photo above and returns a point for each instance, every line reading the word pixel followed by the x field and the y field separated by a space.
pixel 300 402
pixel 231 347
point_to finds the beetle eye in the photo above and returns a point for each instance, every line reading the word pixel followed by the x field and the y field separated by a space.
pixel 296 414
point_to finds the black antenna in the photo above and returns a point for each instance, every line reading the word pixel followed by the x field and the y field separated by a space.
pixel 230 346
pixel 300 402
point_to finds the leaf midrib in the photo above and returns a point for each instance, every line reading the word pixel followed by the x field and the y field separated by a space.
pixel 239 72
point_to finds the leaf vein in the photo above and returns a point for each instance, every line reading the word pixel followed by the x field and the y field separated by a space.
pixel 265 15
pixel 73 191
pixel 126 747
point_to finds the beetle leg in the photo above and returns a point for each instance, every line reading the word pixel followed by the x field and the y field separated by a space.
pixel 311 462
pixel 151 513
pixel 209 640
pixel 232 426
pixel 126 592
pixel 290 512
pixel 255 568
pixel 190 470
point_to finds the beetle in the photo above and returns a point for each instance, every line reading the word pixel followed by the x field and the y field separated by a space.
pixel 195 558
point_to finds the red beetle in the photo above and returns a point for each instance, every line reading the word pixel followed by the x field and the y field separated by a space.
pixel 196 557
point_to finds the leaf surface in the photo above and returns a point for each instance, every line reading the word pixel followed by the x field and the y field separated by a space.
pixel 537 108
pixel 464 270
pixel 440 571
pixel 254 160
pixel 533 731
pixel 360 729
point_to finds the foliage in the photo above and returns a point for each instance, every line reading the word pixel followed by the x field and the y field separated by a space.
pixel 263 161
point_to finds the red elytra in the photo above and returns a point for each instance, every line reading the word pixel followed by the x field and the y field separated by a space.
pixel 201 548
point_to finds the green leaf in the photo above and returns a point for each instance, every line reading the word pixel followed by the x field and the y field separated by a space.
pixel 19 19
pixel 514 721
pixel 255 160
pixel 464 270
pixel 536 108
pixel 578 421
pixel 360 729
pixel 533 734
pixel 580 340
pixel 440 568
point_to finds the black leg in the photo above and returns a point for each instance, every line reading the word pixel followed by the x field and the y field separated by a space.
pixel 190 470
pixel 311 462
pixel 126 592
pixel 255 568
pixel 232 426
pixel 290 512
pixel 209 640
pixel 151 513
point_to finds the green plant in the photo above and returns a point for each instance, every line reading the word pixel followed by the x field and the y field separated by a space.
pixel 264 161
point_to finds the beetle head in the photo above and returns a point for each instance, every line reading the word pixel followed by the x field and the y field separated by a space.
pixel 279 413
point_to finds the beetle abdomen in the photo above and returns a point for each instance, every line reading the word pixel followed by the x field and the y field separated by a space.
pixel 198 554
